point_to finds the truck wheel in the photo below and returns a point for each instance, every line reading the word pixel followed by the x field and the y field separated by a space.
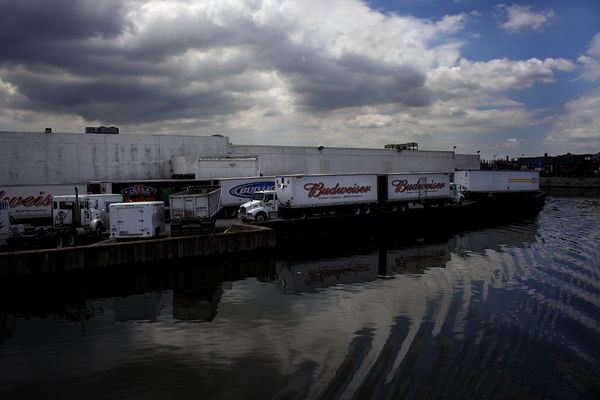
pixel 442 204
pixel 460 201
pixel 260 218
pixel 403 207
pixel 367 209
pixel 356 210
pixel 394 208
pixel 427 205
pixel 232 213
pixel 301 215
pixel 56 240
pixel 69 238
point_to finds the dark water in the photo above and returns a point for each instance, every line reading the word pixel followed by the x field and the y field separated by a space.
pixel 511 311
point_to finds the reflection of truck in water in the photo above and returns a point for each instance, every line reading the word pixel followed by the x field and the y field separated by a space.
pixel 301 196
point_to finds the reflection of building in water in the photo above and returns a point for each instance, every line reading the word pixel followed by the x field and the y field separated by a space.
pixel 413 260
pixel 309 276
pixel 199 304
pixel 141 307
pixel 517 236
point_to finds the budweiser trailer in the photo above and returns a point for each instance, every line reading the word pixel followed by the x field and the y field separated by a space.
pixel 486 183
pixel 397 191
pixel 237 191
pixel 32 204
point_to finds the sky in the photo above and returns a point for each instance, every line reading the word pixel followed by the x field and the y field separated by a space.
pixel 505 79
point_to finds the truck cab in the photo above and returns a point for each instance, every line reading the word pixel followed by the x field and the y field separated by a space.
pixel 456 195
pixel 74 211
pixel 262 207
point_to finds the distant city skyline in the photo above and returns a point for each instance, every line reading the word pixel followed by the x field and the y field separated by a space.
pixel 504 79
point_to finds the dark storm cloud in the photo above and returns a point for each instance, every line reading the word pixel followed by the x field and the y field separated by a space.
pixel 96 60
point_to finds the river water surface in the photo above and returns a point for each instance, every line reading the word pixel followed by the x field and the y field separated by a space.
pixel 509 311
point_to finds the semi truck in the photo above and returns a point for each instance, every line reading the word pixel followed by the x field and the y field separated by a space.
pixel 301 196
pixel 32 204
pixel 237 191
pixel 73 217
pixel 483 183
pixel 194 210
pixel 138 220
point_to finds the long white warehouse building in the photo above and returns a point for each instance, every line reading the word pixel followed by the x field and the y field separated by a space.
pixel 36 158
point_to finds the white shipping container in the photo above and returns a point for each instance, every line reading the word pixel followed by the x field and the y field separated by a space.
pixel 498 181
pixel 416 186
pixel 35 201
pixel 298 191
pixel 137 220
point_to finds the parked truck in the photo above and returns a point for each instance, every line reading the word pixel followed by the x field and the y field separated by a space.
pixel 237 191
pixel 73 217
pixel 33 203
pixel 195 210
pixel 138 220
pixel 10 229
pixel 300 196
pixel 482 183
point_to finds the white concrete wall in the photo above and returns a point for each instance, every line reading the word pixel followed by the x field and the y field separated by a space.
pixel 274 160
pixel 208 168
pixel 28 158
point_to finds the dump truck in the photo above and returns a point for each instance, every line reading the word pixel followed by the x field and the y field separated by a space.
pixel 194 210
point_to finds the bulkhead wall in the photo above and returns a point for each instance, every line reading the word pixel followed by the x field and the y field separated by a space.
pixel 32 158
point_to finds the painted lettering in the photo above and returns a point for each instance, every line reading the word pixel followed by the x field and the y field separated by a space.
pixel 319 189
pixel 402 186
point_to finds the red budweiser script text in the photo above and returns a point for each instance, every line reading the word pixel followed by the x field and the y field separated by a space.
pixel 29 201
pixel 403 185
pixel 319 189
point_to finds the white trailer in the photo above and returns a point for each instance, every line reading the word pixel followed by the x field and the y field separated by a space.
pixel 485 183
pixel 139 220
pixel 34 202
pixel 417 188
pixel 237 191
pixel 195 209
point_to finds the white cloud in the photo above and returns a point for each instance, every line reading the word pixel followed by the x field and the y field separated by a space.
pixel 591 62
pixel 522 17
pixel 579 128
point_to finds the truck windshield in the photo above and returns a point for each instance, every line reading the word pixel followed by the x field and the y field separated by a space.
pixel 257 196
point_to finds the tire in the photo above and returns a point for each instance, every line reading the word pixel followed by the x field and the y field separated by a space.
pixel 69 239
pixel 442 204
pixel 260 218
pixel 98 231
pixel 367 209
pixel 301 215
pixel 356 210
pixel 56 240
pixel 232 213
pixel 403 207
pixel 427 205
pixel 394 207
pixel 460 201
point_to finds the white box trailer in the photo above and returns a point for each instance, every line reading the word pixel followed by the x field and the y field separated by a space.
pixel 144 219
pixel 195 209
pixel 423 188
pixel 325 193
pixel 34 202
pixel 237 191
pixel 483 182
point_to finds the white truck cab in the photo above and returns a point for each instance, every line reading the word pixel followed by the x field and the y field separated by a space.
pixel 456 194
pixel 262 207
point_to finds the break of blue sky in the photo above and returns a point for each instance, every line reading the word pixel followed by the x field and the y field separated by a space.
pixel 501 78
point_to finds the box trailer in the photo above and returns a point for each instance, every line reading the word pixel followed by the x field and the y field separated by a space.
pixel 397 191
pixel 484 183
pixel 145 219
pixel 33 203
pixel 237 191
pixel 195 210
